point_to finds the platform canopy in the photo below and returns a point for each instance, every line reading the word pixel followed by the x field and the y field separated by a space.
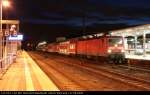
pixel 132 31
pixel 10 22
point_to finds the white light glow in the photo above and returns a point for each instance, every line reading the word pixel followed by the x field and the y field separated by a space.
pixel 18 37
pixel 109 51
pixel 6 3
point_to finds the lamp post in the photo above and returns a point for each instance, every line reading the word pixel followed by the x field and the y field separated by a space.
pixel 1 32
pixel 4 3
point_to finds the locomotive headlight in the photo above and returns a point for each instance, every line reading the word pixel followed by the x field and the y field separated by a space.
pixel 109 51
pixel 116 45
pixel 122 50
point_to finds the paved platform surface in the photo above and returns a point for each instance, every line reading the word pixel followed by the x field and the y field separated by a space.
pixel 25 75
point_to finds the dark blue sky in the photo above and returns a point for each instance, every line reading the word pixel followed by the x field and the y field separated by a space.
pixel 45 19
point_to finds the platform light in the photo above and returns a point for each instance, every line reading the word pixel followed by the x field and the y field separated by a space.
pixel 95 35
pixel 5 3
pixel 84 37
pixel 147 31
pixel 42 43
pixel 129 30
pixel 13 26
pixel 131 40
pixel 90 36
pixel 137 33
pixel 148 26
pixel 111 33
pixel 141 28
pixel 100 34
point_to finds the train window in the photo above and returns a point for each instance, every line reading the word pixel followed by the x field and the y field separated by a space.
pixel 115 41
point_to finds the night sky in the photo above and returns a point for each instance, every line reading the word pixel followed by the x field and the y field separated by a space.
pixel 48 19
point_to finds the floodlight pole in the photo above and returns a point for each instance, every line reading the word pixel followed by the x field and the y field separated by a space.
pixel 1 30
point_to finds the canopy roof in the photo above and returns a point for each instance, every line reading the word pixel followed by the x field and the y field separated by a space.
pixel 132 31
pixel 10 22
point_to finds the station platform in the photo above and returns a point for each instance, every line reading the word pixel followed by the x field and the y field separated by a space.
pixel 138 57
pixel 26 75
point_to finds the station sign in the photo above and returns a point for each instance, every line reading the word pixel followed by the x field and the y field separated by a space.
pixel 6 32
pixel 16 38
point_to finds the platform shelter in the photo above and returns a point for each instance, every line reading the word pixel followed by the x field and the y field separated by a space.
pixel 8 48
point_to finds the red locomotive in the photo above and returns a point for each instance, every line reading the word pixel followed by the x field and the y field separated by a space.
pixel 111 47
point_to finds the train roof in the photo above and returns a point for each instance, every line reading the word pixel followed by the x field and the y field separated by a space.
pixel 132 31
pixel 87 37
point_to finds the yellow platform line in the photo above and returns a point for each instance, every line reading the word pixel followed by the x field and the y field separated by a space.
pixel 26 75
pixel 29 84
pixel 45 82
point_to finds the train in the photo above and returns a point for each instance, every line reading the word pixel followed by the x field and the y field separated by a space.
pixel 105 46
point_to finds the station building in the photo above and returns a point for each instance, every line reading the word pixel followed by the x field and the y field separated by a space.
pixel 136 41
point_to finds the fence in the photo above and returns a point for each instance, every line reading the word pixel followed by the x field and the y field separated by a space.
pixel 5 63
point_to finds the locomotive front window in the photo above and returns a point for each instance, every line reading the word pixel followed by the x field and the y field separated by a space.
pixel 115 41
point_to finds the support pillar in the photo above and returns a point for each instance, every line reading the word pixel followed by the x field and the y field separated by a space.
pixel 144 41
pixel 135 44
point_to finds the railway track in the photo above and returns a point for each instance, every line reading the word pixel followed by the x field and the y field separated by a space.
pixel 97 72
pixel 115 76
pixel 59 78
pixel 136 81
pixel 134 68
pixel 105 67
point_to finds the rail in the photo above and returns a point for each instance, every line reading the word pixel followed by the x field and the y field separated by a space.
pixel 116 76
